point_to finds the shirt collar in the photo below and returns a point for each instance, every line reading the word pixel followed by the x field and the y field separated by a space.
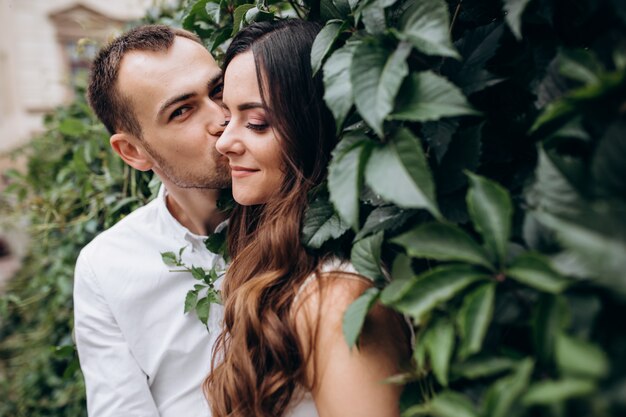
pixel 179 231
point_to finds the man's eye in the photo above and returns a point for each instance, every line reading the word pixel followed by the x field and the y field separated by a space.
pixel 217 91
pixel 179 112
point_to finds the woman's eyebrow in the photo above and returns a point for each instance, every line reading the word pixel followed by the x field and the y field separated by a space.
pixel 249 105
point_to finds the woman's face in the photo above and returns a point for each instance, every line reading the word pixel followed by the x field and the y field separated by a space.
pixel 249 142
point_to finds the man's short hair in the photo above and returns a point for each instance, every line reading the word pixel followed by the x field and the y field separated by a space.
pixel 111 106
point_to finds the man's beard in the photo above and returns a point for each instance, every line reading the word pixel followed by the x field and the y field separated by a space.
pixel 216 179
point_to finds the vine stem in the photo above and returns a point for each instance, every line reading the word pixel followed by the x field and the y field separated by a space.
pixel 456 14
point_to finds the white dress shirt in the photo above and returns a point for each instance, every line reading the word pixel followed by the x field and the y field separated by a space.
pixel 141 356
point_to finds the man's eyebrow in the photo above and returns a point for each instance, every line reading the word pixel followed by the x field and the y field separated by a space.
pixel 215 79
pixel 173 101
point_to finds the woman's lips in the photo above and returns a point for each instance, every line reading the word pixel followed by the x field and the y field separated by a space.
pixel 239 172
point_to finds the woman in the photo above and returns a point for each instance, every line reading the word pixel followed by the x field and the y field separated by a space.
pixel 282 351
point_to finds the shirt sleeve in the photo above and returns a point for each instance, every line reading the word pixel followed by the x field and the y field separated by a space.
pixel 116 385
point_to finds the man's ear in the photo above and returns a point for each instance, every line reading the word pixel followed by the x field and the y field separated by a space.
pixel 128 148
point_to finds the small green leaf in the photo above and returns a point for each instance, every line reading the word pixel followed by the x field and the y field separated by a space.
pixel 482 367
pixel 452 404
pixel 191 300
pixel 203 309
pixel 216 242
pixel 580 65
pixel 579 358
pixel 345 178
pixel 338 93
pixel 534 270
pixel 384 218
pixel 73 127
pixel 399 172
pixel 198 273
pixel 474 318
pixel 323 43
pixel 439 342
pixel 365 256
pixel 169 258
pixel 354 317
pixel 376 76
pixel 321 223
pixel 549 316
pixel 434 287
pixel 443 242
pixel 513 10
pixel 507 391
pixel 491 210
pixel 550 392
pixel 426 96
pixel 239 16
pixel 401 274
pixel 426 25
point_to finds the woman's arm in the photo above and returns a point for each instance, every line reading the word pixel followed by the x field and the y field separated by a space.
pixel 348 382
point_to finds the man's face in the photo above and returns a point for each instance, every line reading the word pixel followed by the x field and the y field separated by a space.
pixel 176 96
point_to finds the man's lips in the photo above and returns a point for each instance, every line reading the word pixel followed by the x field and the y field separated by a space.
pixel 239 171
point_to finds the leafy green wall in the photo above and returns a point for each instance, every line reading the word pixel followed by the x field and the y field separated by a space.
pixel 482 160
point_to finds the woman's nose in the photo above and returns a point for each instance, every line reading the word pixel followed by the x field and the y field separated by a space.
pixel 226 143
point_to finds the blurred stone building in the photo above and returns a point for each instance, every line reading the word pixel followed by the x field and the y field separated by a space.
pixel 42 51
pixel 45 46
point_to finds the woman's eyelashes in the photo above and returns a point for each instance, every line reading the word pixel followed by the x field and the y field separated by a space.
pixel 257 127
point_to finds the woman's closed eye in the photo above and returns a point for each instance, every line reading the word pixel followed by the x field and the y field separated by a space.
pixel 257 125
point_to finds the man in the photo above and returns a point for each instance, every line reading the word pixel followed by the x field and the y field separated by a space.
pixel 158 92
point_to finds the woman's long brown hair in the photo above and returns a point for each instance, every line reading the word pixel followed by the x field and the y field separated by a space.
pixel 259 362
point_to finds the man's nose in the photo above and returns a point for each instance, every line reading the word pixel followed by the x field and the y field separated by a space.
pixel 215 118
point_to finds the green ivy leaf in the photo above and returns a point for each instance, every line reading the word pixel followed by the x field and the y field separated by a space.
pixel 338 93
pixel 239 17
pixel 439 343
pixel 426 25
pixel 474 318
pixel 580 65
pixel 482 367
pixel 607 166
pixel 365 256
pixel 491 210
pixel 345 176
pixel 198 273
pixel 373 15
pixel 376 76
pixel 323 43
pixel 452 404
pixel 435 287
pixel 535 271
pixel 195 11
pixel 551 392
pixel 354 317
pixel 203 309
pixel 169 258
pixel 427 96
pixel 443 242
pixel 73 127
pixel 513 10
pixel 402 274
pixel 399 172
pixel 191 300
pixel 384 218
pixel 507 391
pixel 549 317
pixel 321 223
pixel 599 252
pixel 576 357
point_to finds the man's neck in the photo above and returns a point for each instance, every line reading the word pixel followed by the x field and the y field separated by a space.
pixel 195 208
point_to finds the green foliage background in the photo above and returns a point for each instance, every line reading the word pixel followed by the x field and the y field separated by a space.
pixel 482 161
